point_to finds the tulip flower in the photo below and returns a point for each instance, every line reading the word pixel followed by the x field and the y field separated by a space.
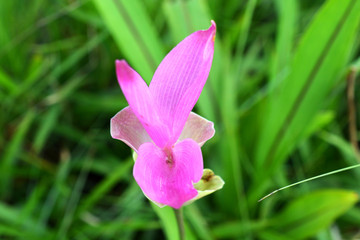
pixel 158 123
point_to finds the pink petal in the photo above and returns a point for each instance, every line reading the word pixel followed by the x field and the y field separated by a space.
pixel 180 77
pixel 169 183
pixel 198 129
pixel 126 127
pixel 141 102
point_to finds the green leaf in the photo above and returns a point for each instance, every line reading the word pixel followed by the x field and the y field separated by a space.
pixel 313 212
pixel 319 61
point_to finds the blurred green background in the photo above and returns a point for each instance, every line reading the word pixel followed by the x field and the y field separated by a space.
pixel 279 94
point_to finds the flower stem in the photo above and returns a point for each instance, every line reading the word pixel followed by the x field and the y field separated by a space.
pixel 180 222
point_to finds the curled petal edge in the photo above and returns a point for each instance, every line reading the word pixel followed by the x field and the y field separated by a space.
pixel 197 128
pixel 126 127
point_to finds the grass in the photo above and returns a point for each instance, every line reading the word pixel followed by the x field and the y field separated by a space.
pixel 276 93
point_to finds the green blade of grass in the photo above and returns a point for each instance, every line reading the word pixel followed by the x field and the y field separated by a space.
pixel 130 25
pixel 104 102
pixel 310 179
pixel 65 91
pixel 347 152
pixel 13 149
pixel 49 120
pixel 75 57
pixel 197 222
pixel 72 203
pixel 6 83
pixel 286 30
pixel 104 186
pixel 10 217
pixel 30 207
pixel 231 146
pixel 54 193
pixel 237 229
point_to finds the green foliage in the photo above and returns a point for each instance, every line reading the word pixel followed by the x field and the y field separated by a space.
pixel 276 93
pixel 299 96
pixel 308 214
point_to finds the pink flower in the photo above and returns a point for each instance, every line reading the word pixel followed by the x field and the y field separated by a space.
pixel 159 125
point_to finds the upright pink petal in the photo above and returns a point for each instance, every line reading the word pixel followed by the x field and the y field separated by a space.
pixel 180 77
pixel 126 127
pixel 141 103
pixel 168 178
